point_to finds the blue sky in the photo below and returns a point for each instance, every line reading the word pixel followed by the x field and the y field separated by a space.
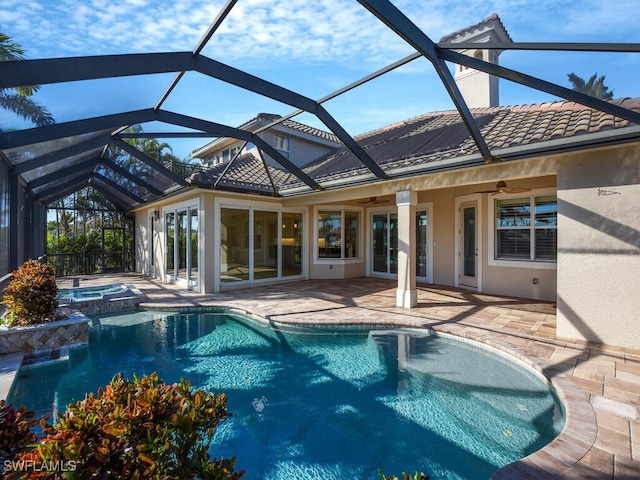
pixel 311 47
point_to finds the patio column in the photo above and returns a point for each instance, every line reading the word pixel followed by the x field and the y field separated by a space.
pixel 406 294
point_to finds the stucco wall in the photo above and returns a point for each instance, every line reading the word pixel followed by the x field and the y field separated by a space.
pixel 599 248
pixel 141 241
pixel 513 281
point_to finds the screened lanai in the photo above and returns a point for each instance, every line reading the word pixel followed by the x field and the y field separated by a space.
pixel 169 93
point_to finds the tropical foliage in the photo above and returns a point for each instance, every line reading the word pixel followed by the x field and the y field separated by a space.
pixel 32 295
pixel 88 235
pixel 135 429
pixel 16 430
pixel 17 100
pixel 594 87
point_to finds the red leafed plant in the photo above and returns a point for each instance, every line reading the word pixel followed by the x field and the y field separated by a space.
pixel 136 429
pixel 16 432
pixel 32 295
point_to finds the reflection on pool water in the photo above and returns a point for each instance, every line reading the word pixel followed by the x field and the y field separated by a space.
pixel 312 404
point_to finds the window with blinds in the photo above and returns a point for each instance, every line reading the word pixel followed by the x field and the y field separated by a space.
pixel 526 228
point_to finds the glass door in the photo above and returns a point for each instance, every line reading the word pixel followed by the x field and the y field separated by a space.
pixel 170 253
pixel 468 246
pixel 181 234
pixel 192 275
pixel 385 243
pixel 423 272
pixel 259 245
pixel 182 245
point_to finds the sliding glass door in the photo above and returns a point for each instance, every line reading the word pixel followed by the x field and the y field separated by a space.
pixel 259 245
pixel 384 244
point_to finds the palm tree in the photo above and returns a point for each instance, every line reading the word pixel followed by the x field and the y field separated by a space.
pixel 594 87
pixel 17 99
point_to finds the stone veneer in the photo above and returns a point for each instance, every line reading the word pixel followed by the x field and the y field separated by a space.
pixel 95 307
pixel 46 337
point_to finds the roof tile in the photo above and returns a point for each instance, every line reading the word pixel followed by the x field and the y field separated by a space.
pixel 428 138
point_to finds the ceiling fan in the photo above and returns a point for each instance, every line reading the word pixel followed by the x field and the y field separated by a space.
pixel 374 201
pixel 501 187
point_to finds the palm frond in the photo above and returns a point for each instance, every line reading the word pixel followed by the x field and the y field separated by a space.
pixel 25 108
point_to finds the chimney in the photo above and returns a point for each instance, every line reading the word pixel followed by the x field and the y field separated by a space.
pixel 479 89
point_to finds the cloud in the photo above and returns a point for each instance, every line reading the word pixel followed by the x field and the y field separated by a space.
pixel 302 31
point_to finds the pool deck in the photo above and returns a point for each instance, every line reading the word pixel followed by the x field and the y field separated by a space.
pixel 599 384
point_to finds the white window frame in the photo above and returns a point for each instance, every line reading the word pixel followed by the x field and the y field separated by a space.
pixel 361 234
pixel 218 158
pixel 285 152
pixel 251 206
pixel 497 262
pixel 193 204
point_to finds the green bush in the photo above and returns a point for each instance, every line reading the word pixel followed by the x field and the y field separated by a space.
pixel 16 432
pixel 135 429
pixel 405 476
pixel 32 295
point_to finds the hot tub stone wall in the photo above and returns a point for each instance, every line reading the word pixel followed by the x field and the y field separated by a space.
pixel 46 337
pixel 95 307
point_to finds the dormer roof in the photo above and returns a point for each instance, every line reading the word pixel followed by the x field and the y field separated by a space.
pixel 262 119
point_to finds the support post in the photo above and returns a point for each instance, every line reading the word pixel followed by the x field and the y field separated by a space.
pixel 15 254
pixel 406 294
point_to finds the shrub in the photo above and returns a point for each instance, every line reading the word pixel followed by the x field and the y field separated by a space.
pixel 405 476
pixel 136 429
pixel 32 295
pixel 16 432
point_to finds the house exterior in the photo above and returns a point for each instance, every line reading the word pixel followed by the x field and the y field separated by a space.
pixel 549 218
pixel 295 141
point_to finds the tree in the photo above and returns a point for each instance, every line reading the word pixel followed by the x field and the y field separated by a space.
pixel 594 87
pixel 17 99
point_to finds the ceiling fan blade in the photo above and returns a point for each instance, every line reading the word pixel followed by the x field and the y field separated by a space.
pixel 515 190
pixel 374 201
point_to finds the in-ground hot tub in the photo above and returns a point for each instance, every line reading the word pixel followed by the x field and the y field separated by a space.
pixel 100 298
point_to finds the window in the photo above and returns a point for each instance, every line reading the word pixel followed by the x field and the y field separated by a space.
pixel 338 234
pixel 225 155
pixel 527 229
pixel 283 145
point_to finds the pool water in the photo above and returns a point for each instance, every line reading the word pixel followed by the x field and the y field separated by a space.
pixel 318 404
pixel 91 293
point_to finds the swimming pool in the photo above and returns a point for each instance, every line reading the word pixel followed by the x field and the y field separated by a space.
pixel 312 403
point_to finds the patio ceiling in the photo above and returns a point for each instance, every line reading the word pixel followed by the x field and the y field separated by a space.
pixel 58 159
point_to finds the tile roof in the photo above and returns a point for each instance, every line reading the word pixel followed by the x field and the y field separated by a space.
pixel 246 174
pixel 301 127
pixel 423 142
